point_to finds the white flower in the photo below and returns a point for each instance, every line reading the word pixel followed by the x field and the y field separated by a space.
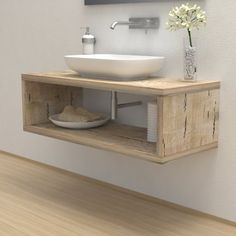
pixel 186 17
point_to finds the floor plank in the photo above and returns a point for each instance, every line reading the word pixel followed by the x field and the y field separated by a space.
pixel 37 200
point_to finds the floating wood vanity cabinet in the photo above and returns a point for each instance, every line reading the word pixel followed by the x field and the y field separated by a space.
pixel 188 114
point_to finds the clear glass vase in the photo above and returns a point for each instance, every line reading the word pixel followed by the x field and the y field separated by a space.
pixel 190 63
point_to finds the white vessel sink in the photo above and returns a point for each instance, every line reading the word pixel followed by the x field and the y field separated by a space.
pixel 111 66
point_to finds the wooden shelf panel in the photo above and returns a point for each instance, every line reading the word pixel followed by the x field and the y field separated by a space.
pixel 120 138
pixel 151 86
pixel 126 140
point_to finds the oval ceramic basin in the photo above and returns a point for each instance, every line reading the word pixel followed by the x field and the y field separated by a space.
pixel 111 66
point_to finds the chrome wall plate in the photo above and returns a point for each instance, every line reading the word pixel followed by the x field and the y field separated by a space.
pixel 144 23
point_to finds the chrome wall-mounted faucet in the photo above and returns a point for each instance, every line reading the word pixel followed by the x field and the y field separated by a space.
pixel 139 23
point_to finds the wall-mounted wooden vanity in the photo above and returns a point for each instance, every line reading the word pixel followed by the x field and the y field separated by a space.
pixel 188 114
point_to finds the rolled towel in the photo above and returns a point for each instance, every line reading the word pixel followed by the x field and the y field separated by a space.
pixel 78 114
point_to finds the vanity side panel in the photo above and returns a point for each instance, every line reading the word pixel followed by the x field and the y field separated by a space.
pixel 160 146
pixel 41 100
pixel 189 121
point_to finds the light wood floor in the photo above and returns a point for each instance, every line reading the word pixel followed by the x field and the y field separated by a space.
pixel 37 200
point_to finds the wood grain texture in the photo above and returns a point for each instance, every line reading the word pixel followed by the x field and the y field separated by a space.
pixel 37 200
pixel 123 139
pixel 115 137
pixel 191 120
pixel 160 125
pixel 42 100
pixel 153 86
pixel 187 122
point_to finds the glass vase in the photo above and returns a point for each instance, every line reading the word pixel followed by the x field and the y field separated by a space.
pixel 190 63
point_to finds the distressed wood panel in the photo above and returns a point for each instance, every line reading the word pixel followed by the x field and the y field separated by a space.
pixel 187 122
pixel 190 120
pixel 41 100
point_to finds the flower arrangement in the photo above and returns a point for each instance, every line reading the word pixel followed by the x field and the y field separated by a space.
pixel 186 17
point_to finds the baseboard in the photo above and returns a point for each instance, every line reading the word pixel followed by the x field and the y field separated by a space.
pixel 127 191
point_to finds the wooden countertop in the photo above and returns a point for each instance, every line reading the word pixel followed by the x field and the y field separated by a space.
pixel 151 86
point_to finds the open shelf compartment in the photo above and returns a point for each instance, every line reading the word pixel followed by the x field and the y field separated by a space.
pixel 42 100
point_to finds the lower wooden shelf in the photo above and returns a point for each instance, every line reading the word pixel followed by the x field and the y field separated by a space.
pixel 120 138
pixel 124 139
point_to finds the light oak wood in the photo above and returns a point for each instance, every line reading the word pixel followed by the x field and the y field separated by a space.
pixel 153 86
pixel 160 124
pixel 37 200
pixel 120 138
pixel 187 122
pixel 114 137
pixel 42 100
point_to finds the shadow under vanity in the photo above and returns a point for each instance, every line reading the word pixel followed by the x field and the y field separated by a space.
pixel 187 123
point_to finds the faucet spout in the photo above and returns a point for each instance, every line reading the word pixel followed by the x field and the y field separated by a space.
pixel 115 23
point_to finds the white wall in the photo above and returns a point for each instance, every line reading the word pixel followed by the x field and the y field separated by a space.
pixel 34 36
